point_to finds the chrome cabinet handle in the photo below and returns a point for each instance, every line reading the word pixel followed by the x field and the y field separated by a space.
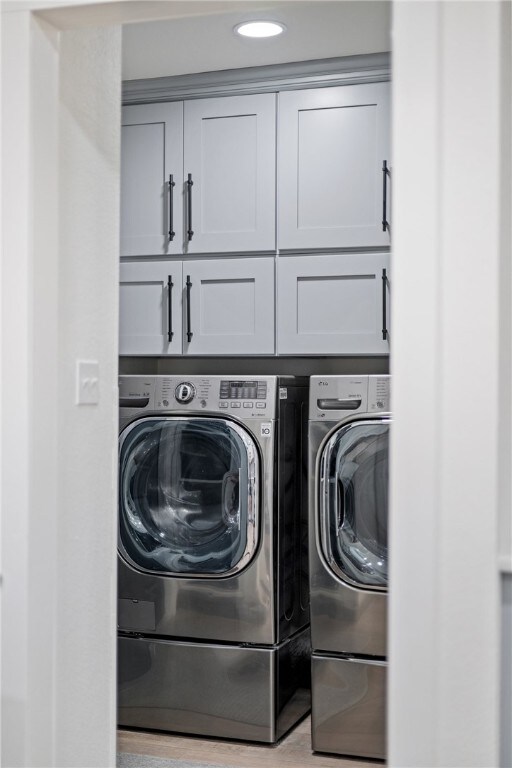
pixel 189 331
pixel 170 284
pixel 172 184
pixel 385 173
pixel 384 305
pixel 190 184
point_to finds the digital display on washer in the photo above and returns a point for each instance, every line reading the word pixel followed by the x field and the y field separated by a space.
pixel 243 390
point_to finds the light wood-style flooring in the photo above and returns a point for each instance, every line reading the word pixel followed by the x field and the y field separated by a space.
pixel 294 751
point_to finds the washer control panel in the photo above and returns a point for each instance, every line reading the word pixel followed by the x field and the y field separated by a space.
pixel 240 397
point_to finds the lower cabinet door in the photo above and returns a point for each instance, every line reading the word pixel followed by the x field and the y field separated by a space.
pixel 332 304
pixel 150 308
pixel 228 307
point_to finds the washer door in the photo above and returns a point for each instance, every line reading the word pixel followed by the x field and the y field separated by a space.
pixel 188 503
pixel 353 487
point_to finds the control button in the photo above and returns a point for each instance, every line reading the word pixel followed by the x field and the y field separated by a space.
pixel 184 392
pixel 247 405
pixel 260 405
pixel 236 405
pixel 223 405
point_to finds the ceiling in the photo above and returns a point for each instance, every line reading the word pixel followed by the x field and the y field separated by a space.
pixel 203 43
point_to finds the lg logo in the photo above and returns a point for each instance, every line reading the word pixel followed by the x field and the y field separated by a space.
pixel 266 430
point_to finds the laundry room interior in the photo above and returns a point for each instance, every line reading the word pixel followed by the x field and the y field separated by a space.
pixel 255 252
pixel 240 341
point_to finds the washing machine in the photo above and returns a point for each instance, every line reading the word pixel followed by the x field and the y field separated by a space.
pixel 348 501
pixel 213 610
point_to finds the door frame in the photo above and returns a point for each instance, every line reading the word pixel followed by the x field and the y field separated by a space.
pixel 59 674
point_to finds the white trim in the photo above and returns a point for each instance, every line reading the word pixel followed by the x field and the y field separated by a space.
pixel 60 175
pixel 347 70
pixel 446 364
pixel 505 391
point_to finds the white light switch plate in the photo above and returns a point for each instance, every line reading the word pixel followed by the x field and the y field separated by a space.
pixel 87 382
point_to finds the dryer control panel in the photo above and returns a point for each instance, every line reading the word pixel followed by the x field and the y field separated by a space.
pixel 332 398
pixel 242 397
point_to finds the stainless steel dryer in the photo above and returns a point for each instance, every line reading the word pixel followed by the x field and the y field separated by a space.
pixel 213 590
pixel 348 502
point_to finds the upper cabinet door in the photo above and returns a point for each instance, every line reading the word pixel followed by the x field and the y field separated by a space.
pixel 332 145
pixel 229 174
pixel 228 307
pixel 152 152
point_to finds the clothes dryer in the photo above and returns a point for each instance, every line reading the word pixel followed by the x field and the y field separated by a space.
pixel 213 590
pixel 348 502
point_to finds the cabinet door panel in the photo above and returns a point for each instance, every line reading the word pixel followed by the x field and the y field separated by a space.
pixel 230 152
pixel 332 142
pixel 149 308
pixel 331 305
pixel 325 200
pixel 151 150
pixel 231 307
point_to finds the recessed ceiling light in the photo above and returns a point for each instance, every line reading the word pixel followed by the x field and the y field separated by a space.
pixel 260 28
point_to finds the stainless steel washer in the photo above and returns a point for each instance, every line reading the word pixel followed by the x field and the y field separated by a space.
pixel 213 588
pixel 348 502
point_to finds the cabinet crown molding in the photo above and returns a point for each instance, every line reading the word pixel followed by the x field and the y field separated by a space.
pixel 348 70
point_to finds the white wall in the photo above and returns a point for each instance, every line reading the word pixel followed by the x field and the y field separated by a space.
pixel 60 153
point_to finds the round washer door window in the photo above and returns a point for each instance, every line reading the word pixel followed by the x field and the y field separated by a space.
pixel 188 496
pixel 353 488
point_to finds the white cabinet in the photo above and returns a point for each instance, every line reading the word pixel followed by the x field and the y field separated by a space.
pixel 229 307
pixel 331 304
pixel 199 177
pixel 229 173
pixel 206 307
pixel 331 146
pixel 152 153
pixel 150 308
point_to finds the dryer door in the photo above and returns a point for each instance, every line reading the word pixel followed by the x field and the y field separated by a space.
pixel 353 503
pixel 188 496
